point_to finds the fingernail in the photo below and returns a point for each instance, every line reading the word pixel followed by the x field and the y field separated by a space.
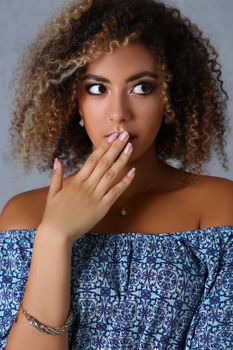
pixel 128 148
pixel 124 136
pixel 131 172
pixel 56 163
pixel 112 137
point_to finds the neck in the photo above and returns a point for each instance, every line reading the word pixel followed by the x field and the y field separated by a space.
pixel 150 171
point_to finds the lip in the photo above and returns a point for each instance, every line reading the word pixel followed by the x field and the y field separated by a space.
pixel 131 136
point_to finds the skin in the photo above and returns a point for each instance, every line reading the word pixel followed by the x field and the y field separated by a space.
pixel 71 211
pixel 131 106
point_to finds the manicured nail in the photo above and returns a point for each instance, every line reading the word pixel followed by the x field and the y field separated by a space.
pixel 124 136
pixel 56 164
pixel 131 172
pixel 128 148
pixel 112 137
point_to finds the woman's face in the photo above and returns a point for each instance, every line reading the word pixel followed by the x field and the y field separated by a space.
pixel 123 91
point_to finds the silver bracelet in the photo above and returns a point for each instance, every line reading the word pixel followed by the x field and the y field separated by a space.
pixel 47 329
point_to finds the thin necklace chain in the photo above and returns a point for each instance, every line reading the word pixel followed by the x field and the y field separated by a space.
pixel 123 209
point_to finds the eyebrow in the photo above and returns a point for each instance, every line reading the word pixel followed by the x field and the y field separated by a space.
pixel 132 78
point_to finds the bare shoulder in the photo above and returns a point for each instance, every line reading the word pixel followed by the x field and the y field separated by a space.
pixel 24 210
pixel 215 197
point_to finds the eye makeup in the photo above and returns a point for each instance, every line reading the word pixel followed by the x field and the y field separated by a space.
pixel 149 84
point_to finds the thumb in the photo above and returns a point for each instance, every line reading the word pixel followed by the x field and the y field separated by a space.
pixel 57 178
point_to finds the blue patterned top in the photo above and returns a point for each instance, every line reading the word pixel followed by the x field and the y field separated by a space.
pixel 136 291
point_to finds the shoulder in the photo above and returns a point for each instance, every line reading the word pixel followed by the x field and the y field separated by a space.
pixel 24 210
pixel 215 198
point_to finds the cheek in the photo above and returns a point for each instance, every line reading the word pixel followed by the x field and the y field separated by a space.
pixel 92 125
pixel 154 103
pixel 151 111
pixel 94 118
pixel 87 104
pixel 92 111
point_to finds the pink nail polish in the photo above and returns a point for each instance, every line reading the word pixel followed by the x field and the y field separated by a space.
pixel 128 148
pixel 131 172
pixel 56 163
pixel 112 137
pixel 124 136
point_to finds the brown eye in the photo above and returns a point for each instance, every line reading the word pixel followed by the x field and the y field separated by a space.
pixel 95 89
pixel 144 88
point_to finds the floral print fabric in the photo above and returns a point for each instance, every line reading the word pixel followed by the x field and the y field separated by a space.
pixel 136 291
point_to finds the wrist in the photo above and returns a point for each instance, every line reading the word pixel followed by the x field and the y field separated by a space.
pixel 47 233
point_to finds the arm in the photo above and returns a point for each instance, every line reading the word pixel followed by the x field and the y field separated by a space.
pixel 47 293
pixel 46 296
pixel 70 211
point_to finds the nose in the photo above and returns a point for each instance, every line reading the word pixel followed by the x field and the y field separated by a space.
pixel 119 108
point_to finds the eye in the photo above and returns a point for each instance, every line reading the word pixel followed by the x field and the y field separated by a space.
pixel 93 89
pixel 144 88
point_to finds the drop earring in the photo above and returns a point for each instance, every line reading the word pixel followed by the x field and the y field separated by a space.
pixel 81 122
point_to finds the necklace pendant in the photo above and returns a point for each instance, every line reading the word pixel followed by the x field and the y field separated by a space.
pixel 123 212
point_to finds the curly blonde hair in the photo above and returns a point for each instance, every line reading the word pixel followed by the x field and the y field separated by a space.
pixel 46 117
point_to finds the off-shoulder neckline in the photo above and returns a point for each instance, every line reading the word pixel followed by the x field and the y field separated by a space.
pixel 97 234
pixel 211 228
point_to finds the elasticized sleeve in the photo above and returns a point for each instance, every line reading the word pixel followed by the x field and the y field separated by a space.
pixel 15 259
pixel 214 326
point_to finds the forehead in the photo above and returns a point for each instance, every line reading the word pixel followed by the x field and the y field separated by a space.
pixel 130 59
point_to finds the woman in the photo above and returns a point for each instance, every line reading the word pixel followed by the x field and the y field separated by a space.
pixel 127 252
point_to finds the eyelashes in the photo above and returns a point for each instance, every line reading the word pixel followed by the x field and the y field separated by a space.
pixel 148 86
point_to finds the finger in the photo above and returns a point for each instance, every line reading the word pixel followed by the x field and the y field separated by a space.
pixel 109 177
pixel 106 161
pixel 94 158
pixel 111 196
pixel 56 179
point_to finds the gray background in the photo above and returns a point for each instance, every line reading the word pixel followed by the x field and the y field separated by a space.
pixel 19 23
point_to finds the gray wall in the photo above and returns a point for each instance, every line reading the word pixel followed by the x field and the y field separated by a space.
pixel 19 22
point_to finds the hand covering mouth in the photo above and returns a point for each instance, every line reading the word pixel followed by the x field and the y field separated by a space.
pixel 131 135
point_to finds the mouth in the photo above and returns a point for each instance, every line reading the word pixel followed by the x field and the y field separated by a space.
pixel 131 136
